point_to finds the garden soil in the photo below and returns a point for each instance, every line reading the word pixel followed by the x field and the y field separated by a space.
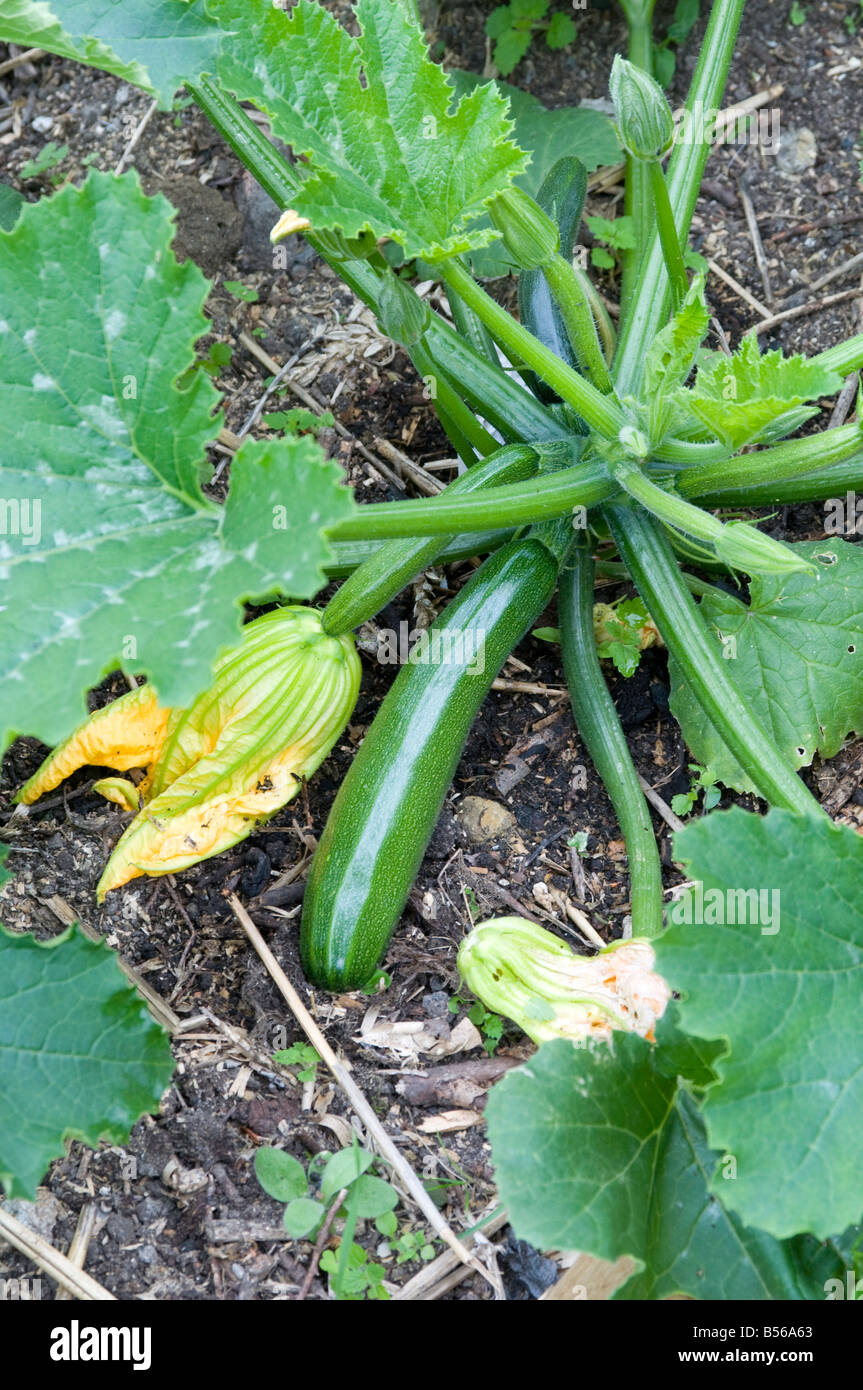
pixel 179 1213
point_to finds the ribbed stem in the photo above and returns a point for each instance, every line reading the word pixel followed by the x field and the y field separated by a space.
pixel 600 412
pixel 650 560
pixel 668 235
pixel 518 504
pixel 844 357
pixel 639 17
pixel 578 318
pixel 775 466
pixel 647 307
pixel 599 727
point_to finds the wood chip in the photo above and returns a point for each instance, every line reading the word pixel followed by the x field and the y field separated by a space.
pixel 449 1120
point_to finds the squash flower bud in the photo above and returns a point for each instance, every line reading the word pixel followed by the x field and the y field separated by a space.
pixel 644 120
pixel 524 972
pixel 404 317
pixel 276 706
pixel 529 234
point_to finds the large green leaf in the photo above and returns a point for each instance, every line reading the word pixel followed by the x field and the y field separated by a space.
pixel 372 115
pixel 796 655
pixel 110 553
pixel 597 1149
pixel 546 135
pixel 154 44
pixel 784 989
pixel 737 397
pixel 80 1056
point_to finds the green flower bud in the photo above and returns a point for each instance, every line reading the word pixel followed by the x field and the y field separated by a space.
pixel 744 547
pixel 644 120
pixel 529 234
pixel 524 972
pixel 404 317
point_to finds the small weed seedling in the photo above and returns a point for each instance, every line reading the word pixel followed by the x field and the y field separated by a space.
pixel 490 1025
pixel 302 1055
pixel 48 157
pixel 704 782
pixel 367 1198
pixel 513 27
pixel 617 234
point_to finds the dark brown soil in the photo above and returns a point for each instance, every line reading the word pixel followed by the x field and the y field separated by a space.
pixel 214 1238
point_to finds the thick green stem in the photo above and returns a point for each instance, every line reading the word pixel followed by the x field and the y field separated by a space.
pixel 637 189
pixel 601 412
pixel 543 498
pixel 738 544
pixel 844 357
pixel 604 326
pixel 650 560
pixel 578 317
pixel 376 582
pixel 773 467
pixel 503 402
pixel 600 729
pixel 347 556
pixel 674 263
pixel 648 304
pixel 472 329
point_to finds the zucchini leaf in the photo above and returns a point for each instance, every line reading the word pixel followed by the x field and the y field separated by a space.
pixel 783 991
pixel 739 397
pixel 80 1056
pixel 602 1149
pixel 795 653
pixel 372 117
pixel 670 359
pixel 110 552
pixel 545 134
pixel 154 44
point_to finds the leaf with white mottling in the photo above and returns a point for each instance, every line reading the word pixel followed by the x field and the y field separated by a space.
pixel 80 1056
pixel 155 44
pixel 373 117
pixel 110 553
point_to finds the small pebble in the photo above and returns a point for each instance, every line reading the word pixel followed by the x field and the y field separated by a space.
pixel 436 1005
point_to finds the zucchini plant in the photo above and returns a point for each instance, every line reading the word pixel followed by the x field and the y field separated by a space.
pixel 741 1119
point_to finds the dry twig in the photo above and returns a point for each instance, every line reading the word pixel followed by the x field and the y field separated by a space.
pixel 813 307
pixel 755 237
pixel 79 1244
pixel 659 805
pixel 361 1106
pixel 135 137
pixel 55 1265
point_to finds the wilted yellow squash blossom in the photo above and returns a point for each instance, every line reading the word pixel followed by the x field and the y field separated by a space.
pixel 522 971
pixel 276 706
